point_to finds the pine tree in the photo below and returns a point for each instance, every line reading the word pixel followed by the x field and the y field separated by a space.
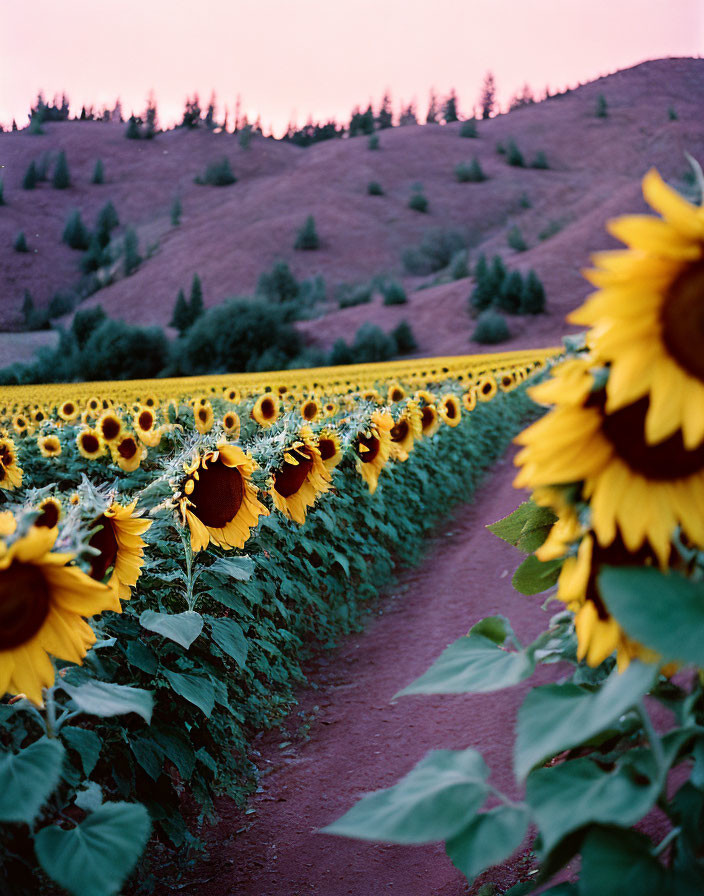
pixel 209 120
pixel 433 113
pixel 61 179
pixel 408 115
pixel 76 233
pixel 150 118
pixel 602 108
pixel 181 318
pixel 20 243
pixel 384 117
pixel 176 211
pixel 511 293
pixel 130 250
pixel 28 310
pixel 29 181
pixel 533 298
pixel 449 111
pixel 487 100
pixel 307 237
pixel 132 129
pixel 95 257
pixel 196 306
pixel 107 221
pixel 98 173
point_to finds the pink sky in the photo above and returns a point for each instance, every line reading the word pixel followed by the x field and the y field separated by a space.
pixel 291 58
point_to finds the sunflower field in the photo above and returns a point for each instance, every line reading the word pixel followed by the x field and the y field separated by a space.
pixel 170 553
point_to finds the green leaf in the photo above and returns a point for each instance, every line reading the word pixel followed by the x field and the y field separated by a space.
pixel 489 838
pixel 28 778
pixel 615 862
pixel 229 637
pixel 183 628
pixel 473 664
pixel 534 576
pixel 90 797
pixel 104 699
pixel 230 600
pixel 641 598
pixel 526 528
pixel 178 749
pixel 239 568
pixel 198 691
pixel 141 656
pixel 434 801
pixel 555 717
pixel 343 561
pixel 94 858
pixel 148 755
pixel 86 743
pixel 497 628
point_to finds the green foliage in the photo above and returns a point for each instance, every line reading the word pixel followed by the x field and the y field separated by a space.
pixel 130 249
pixel 514 156
pixel 279 284
pixel 540 161
pixel 244 137
pixel 217 174
pixel 487 101
pixel 132 131
pixel 350 294
pixel 181 317
pixel 76 234
pixel 85 322
pixel 672 113
pixel 489 280
pixel 459 265
pixel 491 328
pixel 449 109
pixel 524 201
pixel 515 240
pixel 98 173
pixel 394 293
pixel 62 302
pixel 500 149
pixel 533 297
pixel 33 319
pixel 553 227
pixel 61 179
pixel 307 237
pixel 418 201
pixel 601 110
pixel 196 305
pixel 373 142
pixel 374 188
pixel 404 338
pixel 96 256
pixel 511 293
pixel 27 779
pixel 469 128
pixel 106 222
pixel 435 252
pixel 29 181
pixel 470 172
pixel 175 211
pixel 20 243
pixel 117 351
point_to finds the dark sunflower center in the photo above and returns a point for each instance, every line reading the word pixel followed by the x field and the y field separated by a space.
pixel 6 456
pixel 24 604
pixel 49 516
pixel 229 421
pixel 90 443
pixel 399 431
pixel 39 416
pixel 104 541
pixel 326 448
pixel 111 428
pixel 127 448
pixel 372 444
pixel 450 410
pixel 309 411
pixel 625 429
pixel 68 409
pixel 486 388
pixel 217 494
pixel 396 395
pixel 146 420
pixel 506 380
pixel 203 415
pixel 683 320
pixel 427 417
pixel 291 477
pixel 267 408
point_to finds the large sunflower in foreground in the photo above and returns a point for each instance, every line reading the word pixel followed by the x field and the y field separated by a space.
pixel 120 549
pixel 405 431
pixel 300 479
pixel 42 602
pixel 330 447
pixel 217 499
pixel 10 472
pixel 639 490
pixel 373 447
pixel 647 316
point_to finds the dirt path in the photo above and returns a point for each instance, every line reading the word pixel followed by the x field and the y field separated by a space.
pixel 359 740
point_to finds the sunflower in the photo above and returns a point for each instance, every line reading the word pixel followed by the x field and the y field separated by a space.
pixel 639 490
pixel 42 602
pixel 429 420
pixel 231 394
pixel 300 479
pixel 20 424
pixel 486 387
pixel 329 447
pixel 127 453
pixel 396 393
pixel 49 446
pixel 373 447
pixel 508 380
pixel 646 316
pixel 405 431
pixel 10 472
pixel 90 443
pixel 109 426
pixel 217 499
pixel 120 548
pixel 50 512
pixel 93 406
pixel 469 399
pixel 231 424
pixel 8 525
pixel 69 410
pixel 265 410
pixel 425 396
pixel 203 417
pixel 371 395
pixel 449 410
pixel 38 415
pixel 144 422
pixel 150 401
pixel 310 410
pixel 330 408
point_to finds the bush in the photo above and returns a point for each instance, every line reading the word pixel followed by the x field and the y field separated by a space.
pixel 404 338
pixel 307 237
pixel 491 329
pixel 20 243
pixel 540 161
pixel 76 234
pixel 61 179
pixel 106 222
pixel 469 128
pixel 130 249
pixel 371 345
pixel 96 257
pixel 217 174
pixel 434 252
pixel 33 318
pixel 511 293
pixel 98 173
pixel 374 188
pixel 29 181
pixel 341 353
pixel 373 142
pixel 524 201
pixel 132 129
pixel 459 266
pixel 489 280
pixel 62 302
pixel 515 239
pixel 470 173
pixel 418 201
pixel 394 293
pixel 500 149
pixel 551 228
pixel 175 212
pixel 533 296
pixel 117 351
pixel 601 109
pixel 278 285
pixel 181 317
pixel 672 113
pixel 514 156
pixel 244 137
pixel 349 295
pixel 85 322
pixel 42 168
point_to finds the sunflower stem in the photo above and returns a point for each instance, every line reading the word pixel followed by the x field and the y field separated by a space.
pixel 50 713
pixel 188 554
pixel 654 741
pixel 666 841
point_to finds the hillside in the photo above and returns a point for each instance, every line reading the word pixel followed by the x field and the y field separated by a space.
pixel 229 235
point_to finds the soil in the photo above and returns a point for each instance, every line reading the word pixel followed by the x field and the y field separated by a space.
pixel 348 735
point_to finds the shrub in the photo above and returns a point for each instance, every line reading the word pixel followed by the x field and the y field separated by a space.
pixel 76 234
pixel 181 317
pixel 459 266
pixel 217 174
pixel 98 173
pixel 373 142
pixel 29 181
pixel 672 113
pixel 175 212
pixel 404 338
pixel 117 351
pixel 524 201
pixel 85 322
pixel 130 249
pixel 62 302
pixel 61 179
pixel 95 257
pixel 418 201
pixel 434 252
pixel 307 237
pixel 469 128
pixel 540 161
pixel 132 129
pixel 20 243
pixel 515 239
pixel 371 345
pixel 374 188
pixel 511 293
pixel 42 168
pixel 500 149
pixel 244 137
pixel 491 329
pixel 601 109
pixel 489 280
pixel 278 285
pixel 514 156
pixel 196 300
pixel 340 353
pixel 533 296
pixel 106 222
pixel 470 173
pixel 394 293
pixel 551 228
pixel 349 295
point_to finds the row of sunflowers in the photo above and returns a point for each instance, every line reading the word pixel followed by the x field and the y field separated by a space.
pixel 167 559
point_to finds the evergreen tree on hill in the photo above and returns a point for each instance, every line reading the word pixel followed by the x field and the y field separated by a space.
pixel 487 100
